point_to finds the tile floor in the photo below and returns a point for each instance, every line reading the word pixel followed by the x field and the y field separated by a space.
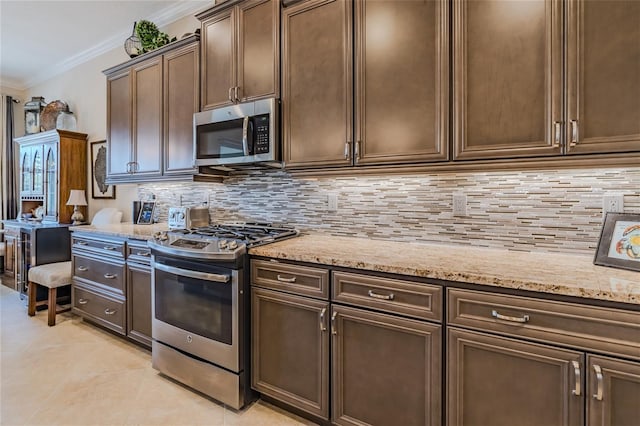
pixel 77 374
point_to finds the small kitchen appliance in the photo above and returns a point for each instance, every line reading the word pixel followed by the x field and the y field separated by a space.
pixel 188 217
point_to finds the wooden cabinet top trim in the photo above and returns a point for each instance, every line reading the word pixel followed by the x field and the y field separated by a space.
pixel 195 38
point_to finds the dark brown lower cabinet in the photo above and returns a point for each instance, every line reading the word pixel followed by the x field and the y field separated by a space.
pixel 613 392
pixel 498 381
pixel 139 303
pixel 290 349
pixel 386 369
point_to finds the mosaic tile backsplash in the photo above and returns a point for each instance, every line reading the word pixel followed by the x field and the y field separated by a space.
pixel 551 210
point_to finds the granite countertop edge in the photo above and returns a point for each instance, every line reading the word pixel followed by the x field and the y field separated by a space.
pixel 553 273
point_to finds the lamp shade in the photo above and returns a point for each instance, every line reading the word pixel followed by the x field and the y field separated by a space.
pixel 77 198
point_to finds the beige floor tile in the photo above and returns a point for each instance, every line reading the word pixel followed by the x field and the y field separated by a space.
pixel 78 374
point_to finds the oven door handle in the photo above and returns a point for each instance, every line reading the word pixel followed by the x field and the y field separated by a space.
pixel 219 278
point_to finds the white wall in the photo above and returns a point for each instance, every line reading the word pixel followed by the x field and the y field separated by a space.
pixel 83 88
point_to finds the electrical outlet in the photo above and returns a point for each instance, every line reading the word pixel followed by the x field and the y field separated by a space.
pixel 459 204
pixel 332 202
pixel 612 203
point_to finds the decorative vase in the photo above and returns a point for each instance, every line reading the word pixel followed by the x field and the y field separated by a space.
pixel 132 45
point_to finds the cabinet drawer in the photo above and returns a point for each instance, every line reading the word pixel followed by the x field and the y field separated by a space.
pixel 103 246
pixel 109 275
pixel 607 330
pixel 390 295
pixel 138 251
pixel 295 279
pixel 107 311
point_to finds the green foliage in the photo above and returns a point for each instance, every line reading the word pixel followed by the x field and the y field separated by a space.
pixel 150 37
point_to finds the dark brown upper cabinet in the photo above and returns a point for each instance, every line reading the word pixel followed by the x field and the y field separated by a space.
pixel 150 105
pixel 509 81
pixel 507 78
pixel 240 52
pixel 401 81
pixel 317 85
pixel 603 76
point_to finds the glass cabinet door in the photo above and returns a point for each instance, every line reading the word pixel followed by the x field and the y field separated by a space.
pixel 25 169
pixel 38 171
pixel 50 184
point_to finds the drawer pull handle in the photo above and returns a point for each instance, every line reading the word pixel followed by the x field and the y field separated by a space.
pixel 143 253
pixel 521 320
pixel 81 243
pixel 390 296
pixel 109 311
pixel 110 248
pixel 576 373
pixel 323 327
pixel 83 301
pixel 334 329
pixel 599 382
pixel 83 268
pixel 109 276
pixel 286 280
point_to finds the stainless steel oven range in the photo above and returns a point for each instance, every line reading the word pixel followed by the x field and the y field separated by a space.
pixel 200 306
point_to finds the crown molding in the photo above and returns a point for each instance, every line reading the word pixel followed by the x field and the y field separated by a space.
pixel 161 18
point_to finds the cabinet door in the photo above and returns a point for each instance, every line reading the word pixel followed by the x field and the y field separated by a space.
pixel 37 168
pixel 290 349
pixel 258 49
pixel 181 101
pixel 613 392
pixel 139 303
pixel 402 81
pixel 147 117
pixel 9 255
pixel 386 369
pixel 603 76
pixel 503 382
pixel 119 124
pixel 51 182
pixel 26 177
pixel 317 86
pixel 507 88
pixel 218 59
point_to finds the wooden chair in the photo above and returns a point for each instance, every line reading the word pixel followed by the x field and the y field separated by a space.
pixel 52 276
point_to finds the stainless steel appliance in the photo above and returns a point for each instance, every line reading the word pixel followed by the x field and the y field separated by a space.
pixel 188 217
pixel 239 134
pixel 200 306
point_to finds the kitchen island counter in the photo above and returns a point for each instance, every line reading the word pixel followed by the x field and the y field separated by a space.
pixel 555 273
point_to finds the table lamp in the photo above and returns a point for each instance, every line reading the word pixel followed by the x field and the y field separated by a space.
pixel 77 198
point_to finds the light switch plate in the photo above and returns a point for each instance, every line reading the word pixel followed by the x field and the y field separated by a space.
pixel 459 204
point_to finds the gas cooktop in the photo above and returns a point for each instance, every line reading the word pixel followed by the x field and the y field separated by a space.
pixel 219 241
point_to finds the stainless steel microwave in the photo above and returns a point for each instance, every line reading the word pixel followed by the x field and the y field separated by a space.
pixel 238 134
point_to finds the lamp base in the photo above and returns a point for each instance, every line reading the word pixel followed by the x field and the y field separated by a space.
pixel 77 217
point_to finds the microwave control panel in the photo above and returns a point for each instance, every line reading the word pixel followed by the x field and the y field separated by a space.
pixel 261 144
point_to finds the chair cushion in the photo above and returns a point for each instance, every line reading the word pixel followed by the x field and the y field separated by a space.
pixel 52 274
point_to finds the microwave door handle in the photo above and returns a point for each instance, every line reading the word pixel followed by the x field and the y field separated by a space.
pixel 251 138
pixel 245 140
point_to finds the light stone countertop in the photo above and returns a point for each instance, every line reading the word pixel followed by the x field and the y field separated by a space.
pixel 124 230
pixel 560 274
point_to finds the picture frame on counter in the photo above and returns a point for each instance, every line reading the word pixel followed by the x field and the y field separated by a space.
pixel 99 188
pixel 145 217
pixel 619 244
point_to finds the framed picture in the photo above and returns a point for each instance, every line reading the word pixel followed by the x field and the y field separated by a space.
pixel 99 188
pixel 619 245
pixel 146 213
